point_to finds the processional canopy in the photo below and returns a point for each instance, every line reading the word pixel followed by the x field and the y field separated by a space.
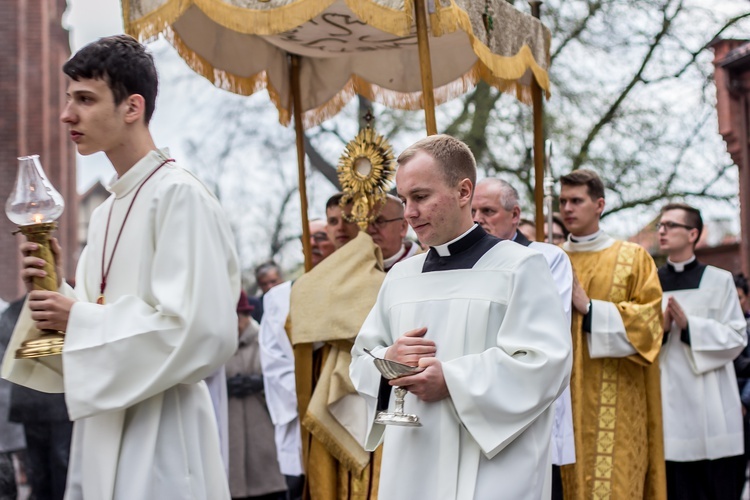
pixel 348 47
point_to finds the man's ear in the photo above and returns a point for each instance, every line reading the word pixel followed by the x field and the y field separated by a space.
pixel 693 236
pixel 516 214
pixel 465 191
pixel 600 206
pixel 136 108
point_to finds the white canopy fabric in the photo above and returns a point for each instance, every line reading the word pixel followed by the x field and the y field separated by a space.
pixel 348 47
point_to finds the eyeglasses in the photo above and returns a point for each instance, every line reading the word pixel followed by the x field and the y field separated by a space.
pixel 555 236
pixel 671 225
pixel 380 223
pixel 319 237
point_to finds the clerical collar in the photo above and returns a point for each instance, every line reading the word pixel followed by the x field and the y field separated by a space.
pixel 521 239
pixel 456 245
pixel 132 178
pixel 388 263
pixel 585 239
pixel 685 275
pixel 465 251
pixel 594 243
pixel 686 265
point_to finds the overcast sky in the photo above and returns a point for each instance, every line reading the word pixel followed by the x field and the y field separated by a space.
pixel 88 20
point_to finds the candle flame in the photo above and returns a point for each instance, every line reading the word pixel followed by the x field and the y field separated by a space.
pixel 38 218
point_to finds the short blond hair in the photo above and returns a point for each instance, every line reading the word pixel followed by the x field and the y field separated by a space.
pixel 454 158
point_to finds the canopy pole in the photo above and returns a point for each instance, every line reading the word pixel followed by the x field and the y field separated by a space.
pixel 538 106
pixel 425 67
pixel 299 135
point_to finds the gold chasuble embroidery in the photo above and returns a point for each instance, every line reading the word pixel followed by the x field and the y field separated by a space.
pixel 616 401
pixel 327 308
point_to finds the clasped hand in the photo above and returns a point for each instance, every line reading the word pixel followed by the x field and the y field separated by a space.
pixel 414 350
pixel 674 313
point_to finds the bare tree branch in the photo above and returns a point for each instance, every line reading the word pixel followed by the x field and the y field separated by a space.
pixel 694 55
pixel 575 33
pixel 607 117
pixel 650 200
pixel 320 164
pixel 277 241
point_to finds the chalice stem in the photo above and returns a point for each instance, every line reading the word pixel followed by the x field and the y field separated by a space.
pixel 400 394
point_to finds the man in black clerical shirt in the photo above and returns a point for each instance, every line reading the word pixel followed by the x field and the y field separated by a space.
pixel 704 330
pixel 482 320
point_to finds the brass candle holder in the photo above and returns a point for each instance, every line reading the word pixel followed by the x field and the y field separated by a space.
pixel 35 205
pixel 50 342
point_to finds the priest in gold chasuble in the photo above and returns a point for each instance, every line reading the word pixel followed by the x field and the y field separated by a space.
pixel 617 335
pixel 328 306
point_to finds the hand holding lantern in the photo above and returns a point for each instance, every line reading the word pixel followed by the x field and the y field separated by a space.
pixel 35 205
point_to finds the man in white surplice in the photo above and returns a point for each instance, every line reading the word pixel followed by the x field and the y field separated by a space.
pixel 496 208
pixel 484 320
pixel 704 331
pixel 153 312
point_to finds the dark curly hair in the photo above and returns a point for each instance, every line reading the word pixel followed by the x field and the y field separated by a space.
pixel 123 63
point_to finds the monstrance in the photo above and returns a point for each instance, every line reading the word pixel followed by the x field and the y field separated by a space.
pixel 365 169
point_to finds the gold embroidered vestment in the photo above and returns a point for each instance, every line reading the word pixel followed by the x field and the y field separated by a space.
pixel 327 308
pixel 616 401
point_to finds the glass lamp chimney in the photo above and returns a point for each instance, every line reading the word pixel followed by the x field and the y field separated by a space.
pixel 34 200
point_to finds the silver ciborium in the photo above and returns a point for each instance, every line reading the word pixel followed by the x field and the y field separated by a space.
pixel 393 370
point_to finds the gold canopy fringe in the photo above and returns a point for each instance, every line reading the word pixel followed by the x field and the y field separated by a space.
pixel 226 81
pixel 277 20
pixel 394 21
pixel 269 21
pixel 355 85
pixel 221 79
pixel 240 19
pixel 407 101
pixel 499 71
pixel 155 22
pixel 448 19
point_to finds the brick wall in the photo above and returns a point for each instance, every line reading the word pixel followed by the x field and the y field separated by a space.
pixel 33 47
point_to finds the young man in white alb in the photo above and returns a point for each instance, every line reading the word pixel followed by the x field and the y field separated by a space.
pixel 152 313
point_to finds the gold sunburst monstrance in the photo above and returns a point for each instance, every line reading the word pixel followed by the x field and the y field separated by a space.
pixel 365 169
